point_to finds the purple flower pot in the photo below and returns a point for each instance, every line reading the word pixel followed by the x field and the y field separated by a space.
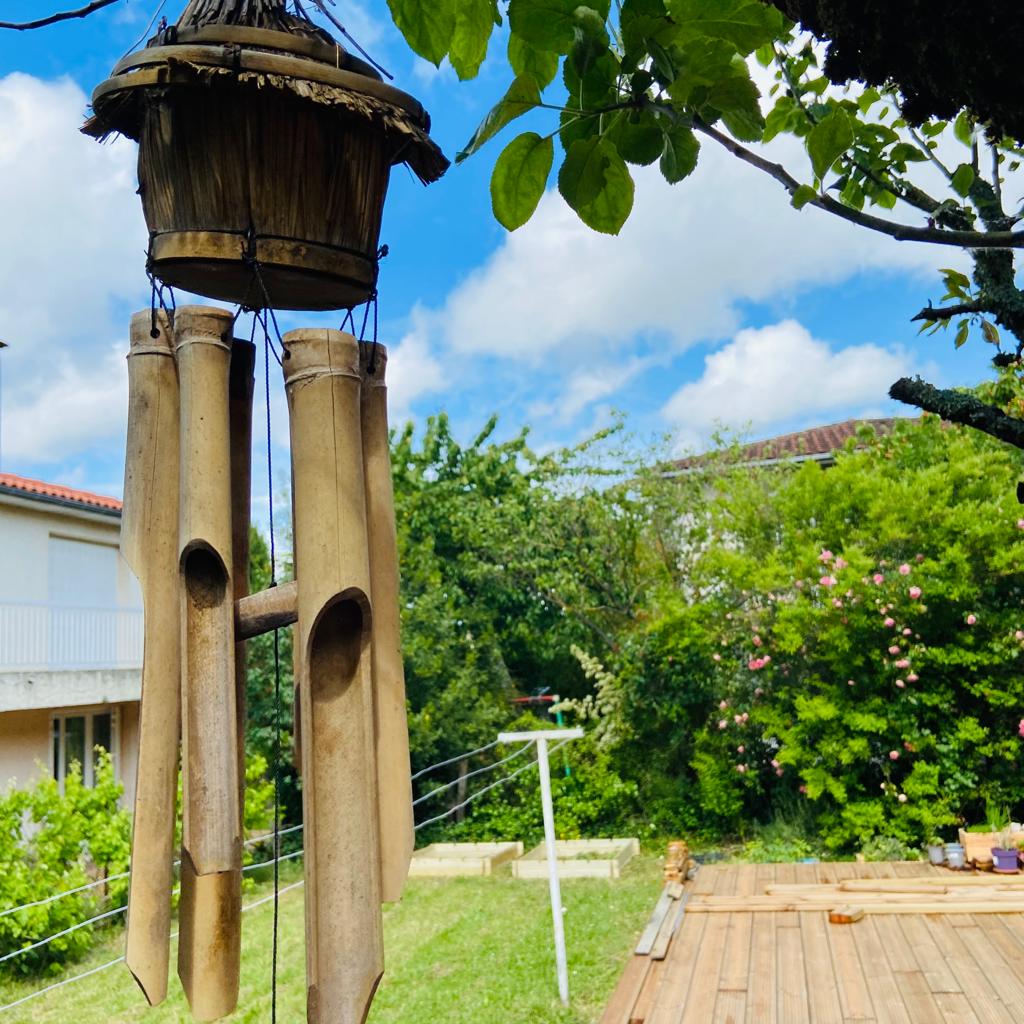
pixel 1005 861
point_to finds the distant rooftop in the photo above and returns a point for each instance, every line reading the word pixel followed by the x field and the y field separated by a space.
pixel 23 486
pixel 814 445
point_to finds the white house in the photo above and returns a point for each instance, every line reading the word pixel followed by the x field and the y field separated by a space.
pixel 70 634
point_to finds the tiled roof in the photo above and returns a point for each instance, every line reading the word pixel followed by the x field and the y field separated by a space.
pixel 817 443
pixel 13 484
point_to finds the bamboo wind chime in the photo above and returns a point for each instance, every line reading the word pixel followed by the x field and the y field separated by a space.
pixel 186 521
pixel 265 152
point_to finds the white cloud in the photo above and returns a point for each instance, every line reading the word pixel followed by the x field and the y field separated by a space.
pixel 75 410
pixel 685 260
pixel 413 371
pixel 772 374
pixel 73 250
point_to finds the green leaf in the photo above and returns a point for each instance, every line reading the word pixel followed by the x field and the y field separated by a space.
pixel 963 179
pixel 596 88
pixel 747 24
pixel 590 41
pixel 540 65
pixel 867 99
pixel 954 277
pixel 638 137
pixel 427 25
pixel 520 177
pixel 545 24
pixel 781 118
pixel 963 128
pixel 596 183
pixel 991 332
pixel 474 22
pixel 642 22
pixel 680 155
pixel 828 140
pixel 765 55
pixel 576 127
pixel 522 95
pixel 853 195
pixel 961 333
pixel 802 196
pixel 737 101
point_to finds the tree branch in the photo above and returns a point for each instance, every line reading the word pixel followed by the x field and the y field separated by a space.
pixel 901 232
pixel 959 407
pixel 948 312
pixel 930 153
pixel 52 19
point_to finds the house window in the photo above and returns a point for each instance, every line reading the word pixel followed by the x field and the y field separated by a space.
pixel 75 737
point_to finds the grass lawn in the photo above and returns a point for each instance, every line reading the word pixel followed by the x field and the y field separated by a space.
pixel 458 951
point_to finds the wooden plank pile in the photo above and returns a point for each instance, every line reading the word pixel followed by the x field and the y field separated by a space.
pixel 849 901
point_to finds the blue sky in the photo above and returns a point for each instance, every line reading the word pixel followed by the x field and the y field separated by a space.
pixel 718 303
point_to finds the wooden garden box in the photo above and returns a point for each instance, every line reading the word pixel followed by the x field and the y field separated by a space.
pixel 445 860
pixel 579 858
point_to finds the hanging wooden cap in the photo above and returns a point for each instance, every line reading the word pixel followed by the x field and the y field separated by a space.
pixel 262 144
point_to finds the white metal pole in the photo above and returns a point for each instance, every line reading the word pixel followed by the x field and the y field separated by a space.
pixel 556 892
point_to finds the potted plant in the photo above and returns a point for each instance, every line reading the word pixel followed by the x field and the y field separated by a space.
pixel 936 851
pixel 1005 854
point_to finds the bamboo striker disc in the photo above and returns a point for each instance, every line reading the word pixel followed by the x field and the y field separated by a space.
pixel 391 726
pixel 208 950
pixel 149 538
pixel 344 947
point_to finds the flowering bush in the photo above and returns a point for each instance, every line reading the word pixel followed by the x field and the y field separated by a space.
pixel 850 637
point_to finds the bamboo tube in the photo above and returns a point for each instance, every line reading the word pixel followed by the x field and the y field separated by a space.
pixel 391 727
pixel 149 541
pixel 344 946
pixel 209 945
pixel 240 389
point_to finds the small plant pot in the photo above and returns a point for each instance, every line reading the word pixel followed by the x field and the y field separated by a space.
pixel 955 858
pixel 937 853
pixel 1005 861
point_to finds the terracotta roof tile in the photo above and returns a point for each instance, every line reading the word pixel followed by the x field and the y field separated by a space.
pixel 815 442
pixel 55 492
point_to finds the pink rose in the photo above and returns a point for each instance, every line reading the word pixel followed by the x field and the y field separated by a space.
pixel 971 620
pixel 902 798
pixel 754 664
pixel 799 584
pixel 803 789
pixel 766 660
pixel 722 723
pixel 907 745
pixel 889 623
pixel 738 719
pixel 827 581
pixel 758 692
pixel 741 768
pixel 906 632
pixel 775 763
pixel 825 556
pixel 778 771
pixel 894 649
pixel 744 717
pixel 913 677
pixel 756 641
pixel 850 682
pixel 902 663
pixel 716 656
pixel 904 569
pixel 1020 728
pixel 740 749
pixel 1019 635
pixel 841 563
pixel 1020 524
pixel 894 755
pixel 836 603
pixel 914 592
pixel 900 684
pixel 878 578
pixel 918 558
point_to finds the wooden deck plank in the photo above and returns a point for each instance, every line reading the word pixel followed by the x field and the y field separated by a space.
pixel 793 1005
pixel 730 1008
pixel 918 998
pixel 854 996
pixel 703 993
pixel 707 876
pixel 649 992
pixel 974 981
pixel 736 961
pixel 993 945
pixel 930 959
pixel 882 986
pixel 619 1008
pixel 822 990
pixel 678 971
pixel 761 989
pixel 956 1008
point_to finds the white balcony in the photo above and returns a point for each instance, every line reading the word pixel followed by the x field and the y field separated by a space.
pixel 62 638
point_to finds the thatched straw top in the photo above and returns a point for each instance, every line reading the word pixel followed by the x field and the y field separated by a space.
pixel 257 45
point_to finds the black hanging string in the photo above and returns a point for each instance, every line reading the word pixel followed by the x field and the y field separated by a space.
pixel 267 349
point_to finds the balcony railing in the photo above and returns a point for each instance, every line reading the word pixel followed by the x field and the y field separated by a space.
pixel 62 637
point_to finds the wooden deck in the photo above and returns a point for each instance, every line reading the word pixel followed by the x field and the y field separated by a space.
pixel 792 967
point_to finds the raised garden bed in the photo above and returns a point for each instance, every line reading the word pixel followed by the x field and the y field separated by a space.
pixel 579 858
pixel 444 860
